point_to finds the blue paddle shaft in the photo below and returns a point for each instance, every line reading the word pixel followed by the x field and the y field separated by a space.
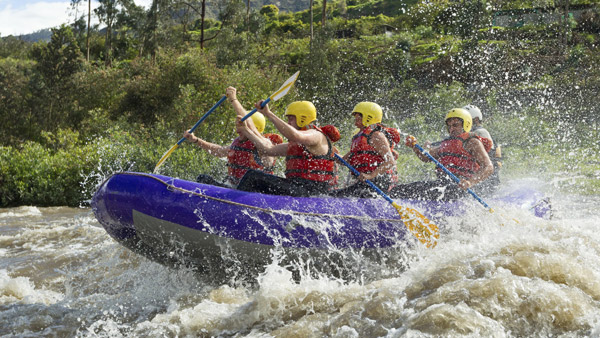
pixel 355 172
pixel 262 105
pixel 204 117
pixel 456 179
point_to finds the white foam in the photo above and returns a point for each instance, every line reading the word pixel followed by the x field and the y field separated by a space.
pixel 21 290
pixel 21 212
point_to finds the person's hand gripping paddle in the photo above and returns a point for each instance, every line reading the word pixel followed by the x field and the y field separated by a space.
pixel 172 149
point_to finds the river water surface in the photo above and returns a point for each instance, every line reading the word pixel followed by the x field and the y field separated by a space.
pixel 62 275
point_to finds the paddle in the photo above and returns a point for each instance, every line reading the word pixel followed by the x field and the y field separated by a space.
pixel 421 227
pixel 456 179
pixel 285 87
pixel 168 153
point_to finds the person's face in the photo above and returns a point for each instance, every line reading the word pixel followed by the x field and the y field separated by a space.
pixel 455 126
pixel 358 120
pixel 239 130
pixel 291 120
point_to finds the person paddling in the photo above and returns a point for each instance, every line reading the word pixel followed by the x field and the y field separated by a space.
pixel 310 165
pixel 462 154
pixel 491 183
pixel 242 155
pixel 371 152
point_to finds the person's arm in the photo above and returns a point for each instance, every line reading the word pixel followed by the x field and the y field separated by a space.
pixel 315 141
pixel 382 147
pixel 268 161
pixel 308 138
pixel 263 144
pixel 411 141
pixel 240 111
pixel 213 149
pixel 475 148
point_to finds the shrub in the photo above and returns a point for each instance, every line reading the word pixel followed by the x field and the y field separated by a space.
pixel 38 175
pixel 269 10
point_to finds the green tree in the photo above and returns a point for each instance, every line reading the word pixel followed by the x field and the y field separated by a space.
pixel 15 94
pixel 116 14
pixel 198 8
pixel 158 8
pixel 60 58
pixel 589 21
pixel 463 17
pixel 14 47
pixel 57 62
pixel 269 10
pixel 107 13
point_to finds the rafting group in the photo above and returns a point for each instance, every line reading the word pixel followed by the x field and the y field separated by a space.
pixel 312 160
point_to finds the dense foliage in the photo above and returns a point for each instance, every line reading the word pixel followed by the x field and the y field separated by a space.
pixel 66 122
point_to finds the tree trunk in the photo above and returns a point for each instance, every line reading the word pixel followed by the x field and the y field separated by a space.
pixel 324 13
pixel 149 46
pixel 566 28
pixel 248 13
pixel 202 16
pixel 311 22
pixel 562 7
pixel 108 42
pixel 87 38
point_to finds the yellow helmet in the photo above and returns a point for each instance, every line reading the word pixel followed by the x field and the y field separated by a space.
pixel 463 115
pixel 370 111
pixel 259 121
pixel 304 111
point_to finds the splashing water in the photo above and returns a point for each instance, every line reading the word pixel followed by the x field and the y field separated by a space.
pixel 62 275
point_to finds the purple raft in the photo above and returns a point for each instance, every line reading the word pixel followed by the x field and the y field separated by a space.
pixel 175 221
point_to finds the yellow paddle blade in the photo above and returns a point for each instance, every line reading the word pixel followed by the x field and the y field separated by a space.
pixel 285 87
pixel 502 224
pixel 419 225
pixel 165 156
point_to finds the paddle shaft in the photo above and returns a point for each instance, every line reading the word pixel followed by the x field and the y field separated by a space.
pixel 262 105
pixel 355 172
pixel 456 179
pixel 204 117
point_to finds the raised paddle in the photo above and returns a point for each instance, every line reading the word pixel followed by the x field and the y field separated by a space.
pixel 419 225
pixel 168 153
pixel 284 89
pixel 456 179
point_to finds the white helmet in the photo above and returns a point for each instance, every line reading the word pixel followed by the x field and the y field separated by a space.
pixel 474 111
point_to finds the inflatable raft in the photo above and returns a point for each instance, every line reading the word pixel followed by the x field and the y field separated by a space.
pixel 175 221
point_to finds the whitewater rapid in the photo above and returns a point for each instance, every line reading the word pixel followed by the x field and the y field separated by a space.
pixel 62 275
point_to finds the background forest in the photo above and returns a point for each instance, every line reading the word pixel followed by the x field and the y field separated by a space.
pixel 93 101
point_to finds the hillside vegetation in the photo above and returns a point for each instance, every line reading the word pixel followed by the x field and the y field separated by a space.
pixel 68 122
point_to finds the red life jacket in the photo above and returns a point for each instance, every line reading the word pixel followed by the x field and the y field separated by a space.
pixel 301 163
pixel 489 146
pixel 364 157
pixel 241 157
pixel 456 159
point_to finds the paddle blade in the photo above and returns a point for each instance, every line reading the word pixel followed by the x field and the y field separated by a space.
pixel 165 156
pixel 419 225
pixel 285 87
